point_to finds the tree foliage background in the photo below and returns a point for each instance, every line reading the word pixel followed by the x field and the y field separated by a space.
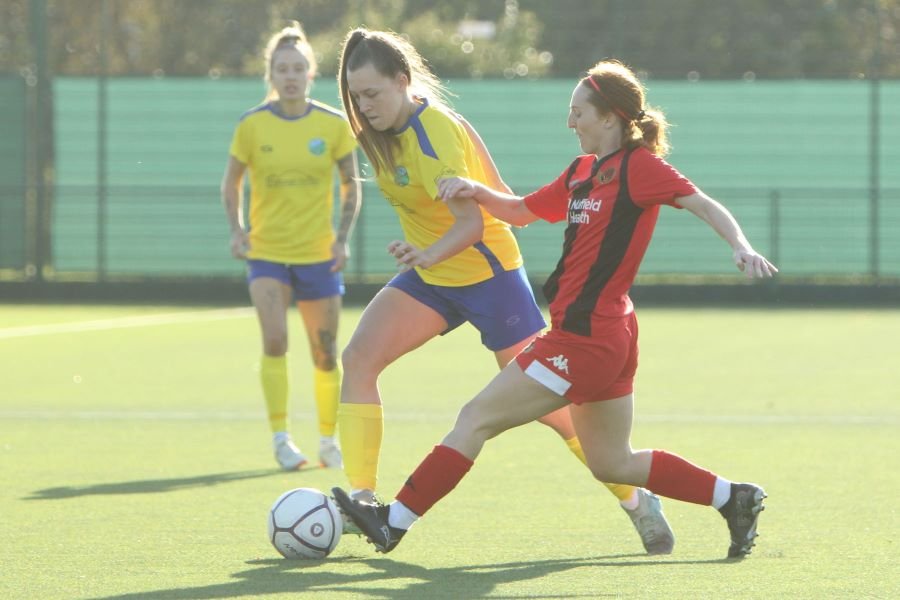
pixel 712 39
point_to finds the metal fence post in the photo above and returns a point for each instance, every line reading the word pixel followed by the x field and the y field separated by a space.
pixel 875 148
pixel 775 226
pixel 39 129
pixel 101 143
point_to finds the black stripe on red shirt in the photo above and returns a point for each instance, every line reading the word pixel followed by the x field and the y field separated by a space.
pixel 610 255
pixel 551 286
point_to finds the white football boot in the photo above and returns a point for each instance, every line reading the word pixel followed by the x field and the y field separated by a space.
pixel 287 453
pixel 330 454
pixel 651 524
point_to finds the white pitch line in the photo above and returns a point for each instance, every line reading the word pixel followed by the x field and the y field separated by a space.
pixel 127 322
pixel 137 415
pixel 775 419
pixel 173 415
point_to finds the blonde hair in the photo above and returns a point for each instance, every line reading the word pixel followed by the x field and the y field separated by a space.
pixel 390 54
pixel 291 36
pixel 615 88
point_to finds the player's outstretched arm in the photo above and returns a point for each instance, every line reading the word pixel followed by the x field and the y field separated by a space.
pixel 748 260
pixel 506 207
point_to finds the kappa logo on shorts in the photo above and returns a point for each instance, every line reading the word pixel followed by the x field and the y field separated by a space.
pixel 560 362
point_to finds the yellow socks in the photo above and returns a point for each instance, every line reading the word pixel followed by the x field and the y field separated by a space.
pixel 361 427
pixel 328 395
pixel 620 491
pixel 274 376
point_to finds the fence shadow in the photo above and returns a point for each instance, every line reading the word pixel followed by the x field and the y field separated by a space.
pixel 147 486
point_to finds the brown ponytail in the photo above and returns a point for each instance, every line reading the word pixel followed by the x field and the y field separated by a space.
pixel 616 89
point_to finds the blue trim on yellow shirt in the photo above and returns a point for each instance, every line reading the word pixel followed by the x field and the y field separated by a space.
pixel 421 134
pixel 313 105
pixel 492 259
pixel 424 142
pixel 254 110
pixel 274 111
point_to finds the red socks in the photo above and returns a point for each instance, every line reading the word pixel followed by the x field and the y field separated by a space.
pixel 434 478
pixel 674 477
pixel 440 472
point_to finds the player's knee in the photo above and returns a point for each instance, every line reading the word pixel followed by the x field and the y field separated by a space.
pixel 358 362
pixel 275 345
pixel 474 424
pixel 350 358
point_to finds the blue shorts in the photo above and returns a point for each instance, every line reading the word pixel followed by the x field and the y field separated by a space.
pixel 309 282
pixel 502 308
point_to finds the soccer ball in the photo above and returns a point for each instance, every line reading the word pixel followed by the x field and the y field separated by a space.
pixel 304 523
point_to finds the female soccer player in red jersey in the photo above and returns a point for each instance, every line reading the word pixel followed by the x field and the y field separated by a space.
pixel 457 262
pixel 291 146
pixel 610 198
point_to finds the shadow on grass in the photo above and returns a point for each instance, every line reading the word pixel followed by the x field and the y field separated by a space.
pixel 274 576
pixel 147 486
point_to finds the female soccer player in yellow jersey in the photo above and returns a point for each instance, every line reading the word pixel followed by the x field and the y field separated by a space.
pixel 457 262
pixel 290 145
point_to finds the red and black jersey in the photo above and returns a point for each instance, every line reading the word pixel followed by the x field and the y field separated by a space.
pixel 611 205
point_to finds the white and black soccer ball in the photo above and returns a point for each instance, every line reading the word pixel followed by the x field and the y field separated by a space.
pixel 304 523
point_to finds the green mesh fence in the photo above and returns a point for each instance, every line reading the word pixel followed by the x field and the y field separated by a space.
pixel 790 159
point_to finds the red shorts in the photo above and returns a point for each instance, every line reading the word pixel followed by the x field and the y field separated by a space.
pixel 586 369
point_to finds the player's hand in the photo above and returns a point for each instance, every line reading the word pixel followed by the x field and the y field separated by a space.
pixel 753 264
pixel 408 256
pixel 240 244
pixel 457 187
pixel 340 251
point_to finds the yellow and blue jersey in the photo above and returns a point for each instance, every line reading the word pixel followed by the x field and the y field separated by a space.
pixel 432 145
pixel 291 163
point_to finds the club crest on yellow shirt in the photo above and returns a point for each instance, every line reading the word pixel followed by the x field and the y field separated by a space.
pixel 401 176
pixel 317 146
